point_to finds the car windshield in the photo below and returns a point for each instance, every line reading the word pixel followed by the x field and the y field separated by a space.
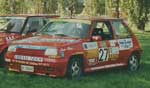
pixel 11 24
pixel 67 29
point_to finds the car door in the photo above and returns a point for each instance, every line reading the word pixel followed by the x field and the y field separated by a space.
pixel 124 40
pixel 108 51
pixel 105 50
pixel 33 25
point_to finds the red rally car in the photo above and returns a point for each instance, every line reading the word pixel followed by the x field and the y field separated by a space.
pixel 17 27
pixel 70 47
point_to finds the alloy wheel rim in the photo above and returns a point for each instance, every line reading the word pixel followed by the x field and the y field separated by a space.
pixel 133 63
pixel 75 69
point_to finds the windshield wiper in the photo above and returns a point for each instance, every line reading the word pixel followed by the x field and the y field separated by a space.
pixel 7 31
pixel 63 35
pixel 45 33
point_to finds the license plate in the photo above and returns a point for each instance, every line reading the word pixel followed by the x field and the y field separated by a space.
pixel 27 68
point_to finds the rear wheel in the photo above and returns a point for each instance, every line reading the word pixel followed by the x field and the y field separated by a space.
pixel 75 68
pixel 133 63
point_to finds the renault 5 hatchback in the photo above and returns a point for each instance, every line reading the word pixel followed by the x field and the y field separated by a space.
pixel 71 47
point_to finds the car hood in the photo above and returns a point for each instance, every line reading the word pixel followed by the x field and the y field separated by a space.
pixel 52 41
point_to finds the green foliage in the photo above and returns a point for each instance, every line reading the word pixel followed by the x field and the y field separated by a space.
pixel 50 6
pixel 136 10
pixel 61 8
pixel 69 7
pixel 94 7
pixel 4 6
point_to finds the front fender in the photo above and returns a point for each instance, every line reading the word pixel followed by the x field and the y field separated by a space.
pixel 70 54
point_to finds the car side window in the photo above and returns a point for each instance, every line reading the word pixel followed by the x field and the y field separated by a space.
pixel 103 29
pixel 121 30
pixel 34 24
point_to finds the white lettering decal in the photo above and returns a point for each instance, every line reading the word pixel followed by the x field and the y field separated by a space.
pixel 114 50
pixel 125 44
pixel 32 47
pixel 28 58
pixel 10 38
pixel 92 60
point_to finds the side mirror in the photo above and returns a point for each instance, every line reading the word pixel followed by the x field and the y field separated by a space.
pixel 96 38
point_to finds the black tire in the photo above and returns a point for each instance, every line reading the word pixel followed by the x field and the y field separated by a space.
pixel 75 68
pixel 133 63
pixel 2 58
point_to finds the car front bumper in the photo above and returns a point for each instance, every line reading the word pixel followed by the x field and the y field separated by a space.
pixel 53 68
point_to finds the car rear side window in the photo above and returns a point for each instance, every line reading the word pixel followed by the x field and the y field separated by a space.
pixel 121 30
pixel 103 29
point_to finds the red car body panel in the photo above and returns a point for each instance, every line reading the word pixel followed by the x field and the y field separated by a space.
pixel 6 38
pixel 56 66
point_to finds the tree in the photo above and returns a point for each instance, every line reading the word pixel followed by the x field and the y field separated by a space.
pixel 70 7
pixel 4 6
pixel 94 7
pixel 61 8
pixel 142 13
pixel 50 6
pixel 74 7
pixel 138 12
pixel 117 8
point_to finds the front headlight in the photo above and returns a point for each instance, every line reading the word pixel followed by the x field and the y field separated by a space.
pixel 12 48
pixel 51 51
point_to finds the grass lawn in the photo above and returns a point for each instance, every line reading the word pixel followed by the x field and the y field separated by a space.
pixel 116 78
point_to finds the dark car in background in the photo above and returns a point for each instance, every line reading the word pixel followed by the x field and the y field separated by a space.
pixel 21 26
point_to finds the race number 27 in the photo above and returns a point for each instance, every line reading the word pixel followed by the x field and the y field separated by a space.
pixel 103 54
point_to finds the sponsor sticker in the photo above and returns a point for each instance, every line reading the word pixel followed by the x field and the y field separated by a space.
pixel 28 58
pixel 114 50
pixel 90 45
pixel 112 43
pixel 125 44
pixel 103 44
pixel 10 38
pixel 32 47
pixel 92 61
pixel 114 53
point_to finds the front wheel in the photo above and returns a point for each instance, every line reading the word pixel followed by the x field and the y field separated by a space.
pixel 75 68
pixel 133 63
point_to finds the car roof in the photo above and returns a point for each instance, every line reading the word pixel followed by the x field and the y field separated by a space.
pixel 29 15
pixel 95 18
